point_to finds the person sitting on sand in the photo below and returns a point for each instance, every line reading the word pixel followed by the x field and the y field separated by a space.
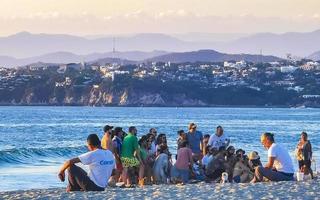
pixel 279 166
pixel 219 139
pixel 101 164
pixel 161 166
pixel 230 161
pixel 217 165
pixel 181 169
pixel 241 171
pixel 207 157
pixel 254 160
pixel 130 155
pixel 304 150
pixel 195 142
pixel 106 141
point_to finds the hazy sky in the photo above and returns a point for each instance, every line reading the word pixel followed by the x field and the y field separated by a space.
pixel 83 17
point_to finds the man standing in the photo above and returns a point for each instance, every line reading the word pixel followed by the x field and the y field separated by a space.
pixel 218 139
pixel 195 141
pixel 153 148
pixel 106 141
pixel 130 148
pixel 101 163
pixel 279 166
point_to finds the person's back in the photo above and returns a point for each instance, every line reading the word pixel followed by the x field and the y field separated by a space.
pixel 184 158
pixel 216 166
pixel 101 163
pixel 282 161
pixel 242 173
pixel 129 145
pixel 160 168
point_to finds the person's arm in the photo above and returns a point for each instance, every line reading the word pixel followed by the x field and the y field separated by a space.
pixel 201 142
pixel 137 151
pixel 191 159
pixel 65 166
pixel 269 165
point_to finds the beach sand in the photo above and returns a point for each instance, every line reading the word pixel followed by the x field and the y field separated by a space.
pixel 275 190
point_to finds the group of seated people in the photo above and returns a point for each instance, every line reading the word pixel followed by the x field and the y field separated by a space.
pixel 121 157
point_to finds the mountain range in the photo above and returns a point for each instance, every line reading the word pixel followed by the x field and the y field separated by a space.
pixel 211 56
pixel 24 48
pixel 67 57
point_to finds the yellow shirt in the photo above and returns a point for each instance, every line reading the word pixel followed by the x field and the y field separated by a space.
pixel 106 142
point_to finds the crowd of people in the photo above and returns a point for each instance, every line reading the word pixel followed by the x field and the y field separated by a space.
pixel 123 158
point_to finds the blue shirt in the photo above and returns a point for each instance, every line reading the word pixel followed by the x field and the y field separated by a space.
pixel 194 140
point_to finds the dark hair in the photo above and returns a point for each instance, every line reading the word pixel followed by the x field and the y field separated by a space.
pixel 222 148
pixel 184 143
pixel 219 127
pixel 269 136
pixel 131 128
pixel 206 136
pixel 149 135
pixel 93 140
pixel 159 138
pixel 151 129
pixel 142 139
pixel 180 132
pixel 304 134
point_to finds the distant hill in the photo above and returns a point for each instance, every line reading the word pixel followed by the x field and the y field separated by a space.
pixel 67 57
pixel 297 44
pixel 211 56
pixel 24 44
pixel 314 56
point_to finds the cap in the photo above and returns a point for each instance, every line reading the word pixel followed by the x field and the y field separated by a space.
pixel 107 127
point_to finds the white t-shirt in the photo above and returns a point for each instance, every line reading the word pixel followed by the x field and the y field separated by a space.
pixel 101 163
pixel 217 142
pixel 282 161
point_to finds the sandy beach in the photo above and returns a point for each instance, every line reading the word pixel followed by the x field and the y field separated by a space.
pixel 276 190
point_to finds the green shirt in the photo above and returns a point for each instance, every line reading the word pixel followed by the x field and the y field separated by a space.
pixel 129 146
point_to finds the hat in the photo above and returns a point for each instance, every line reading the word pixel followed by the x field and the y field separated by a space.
pixel 240 150
pixel 253 155
pixel 107 127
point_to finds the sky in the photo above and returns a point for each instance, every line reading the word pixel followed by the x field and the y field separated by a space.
pixel 103 17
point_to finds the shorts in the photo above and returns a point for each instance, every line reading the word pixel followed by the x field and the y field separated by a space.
pixel 129 162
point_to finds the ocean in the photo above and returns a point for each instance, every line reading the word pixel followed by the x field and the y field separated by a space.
pixel 35 141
